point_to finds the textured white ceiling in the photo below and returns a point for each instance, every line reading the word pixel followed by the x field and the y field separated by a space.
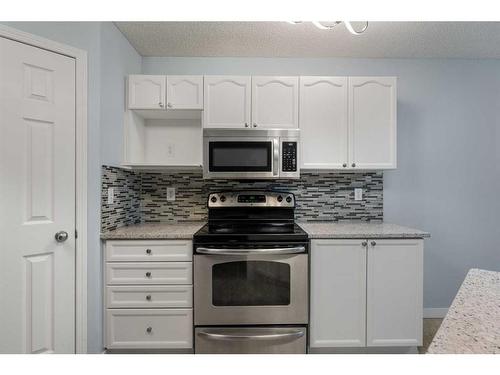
pixel 281 39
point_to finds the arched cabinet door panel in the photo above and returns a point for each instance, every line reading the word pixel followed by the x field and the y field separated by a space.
pixel 184 92
pixel 146 91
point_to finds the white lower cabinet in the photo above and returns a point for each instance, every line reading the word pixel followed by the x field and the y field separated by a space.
pixel 366 292
pixel 148 295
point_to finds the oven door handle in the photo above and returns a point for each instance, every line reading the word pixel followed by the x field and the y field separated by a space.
pixel 220 335
pixel 271 251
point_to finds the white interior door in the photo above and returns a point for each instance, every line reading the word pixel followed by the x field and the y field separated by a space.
pixel 37 197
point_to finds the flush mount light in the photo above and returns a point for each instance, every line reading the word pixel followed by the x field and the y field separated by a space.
pixel 330 25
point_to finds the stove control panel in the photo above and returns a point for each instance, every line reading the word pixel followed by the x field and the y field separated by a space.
pixel 251 199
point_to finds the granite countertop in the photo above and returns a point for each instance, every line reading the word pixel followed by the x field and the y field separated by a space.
pixel 359 230
pixel 472 324
pixel 154 231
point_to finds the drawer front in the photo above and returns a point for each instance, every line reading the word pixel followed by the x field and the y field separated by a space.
pixel 149 273
pixel 150 251
pixel 149 329
pixel 149 296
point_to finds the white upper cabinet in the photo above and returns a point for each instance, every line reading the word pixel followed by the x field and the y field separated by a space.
pixel 394 295
pixel 227 101
pixel 275 102
pixel 185 92
pixel 323 122
pixel 372 122
pixel 338 293
pixel 146 91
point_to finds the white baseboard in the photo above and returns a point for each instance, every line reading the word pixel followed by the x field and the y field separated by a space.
pixel 435 312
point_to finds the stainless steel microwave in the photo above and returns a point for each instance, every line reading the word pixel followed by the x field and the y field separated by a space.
pixel 251 153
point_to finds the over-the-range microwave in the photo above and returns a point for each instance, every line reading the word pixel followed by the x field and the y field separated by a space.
pixel 250 153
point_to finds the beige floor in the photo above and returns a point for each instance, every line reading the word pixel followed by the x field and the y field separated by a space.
pixel 430 328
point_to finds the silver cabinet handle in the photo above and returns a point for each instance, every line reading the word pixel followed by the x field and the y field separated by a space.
pixel 276 156
pixel 148 297
pixel 149 329
pixel 364 243
pixel 344 165
pixel 220 335
pixel 148 274
pixel 61 236
pixel 246 125
pixel 169 105
pixel 353 165
pixel 283 250
pixel 373 243
pixel 148 251
pixel 254 125
pixel 160 104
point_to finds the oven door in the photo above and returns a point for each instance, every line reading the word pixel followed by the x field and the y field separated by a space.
pixel 255 288
pixel 240 157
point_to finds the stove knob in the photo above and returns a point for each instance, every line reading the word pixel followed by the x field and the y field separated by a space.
pixel 222 198
pixel 288 199
pixel 280 198
pixel 213 199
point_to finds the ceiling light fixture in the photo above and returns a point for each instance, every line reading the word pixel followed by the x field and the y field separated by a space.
pixel 347 24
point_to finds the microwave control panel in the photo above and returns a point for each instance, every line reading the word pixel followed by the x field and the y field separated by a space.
pixel 289 156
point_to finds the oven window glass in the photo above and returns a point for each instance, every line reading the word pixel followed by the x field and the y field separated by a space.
pixel 240 156
pixel 251 283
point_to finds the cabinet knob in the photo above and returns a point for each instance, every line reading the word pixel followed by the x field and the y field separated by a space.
pixel 364 243
pixel 373 243
pixel 148 251
pixel 246 125
pixel 149 329
pixel 344 165
pixel 169 105
pixel 254 125
pixel 148 274
pixel 160 104
pixel 148 297
pixel 353 165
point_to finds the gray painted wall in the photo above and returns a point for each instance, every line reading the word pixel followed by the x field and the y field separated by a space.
pixel 448 176
pixel 110 59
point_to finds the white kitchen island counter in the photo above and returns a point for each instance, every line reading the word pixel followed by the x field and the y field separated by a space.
pixel 472 324
pixel 355 229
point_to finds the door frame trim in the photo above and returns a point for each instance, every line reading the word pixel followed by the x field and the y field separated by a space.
pixel 80 57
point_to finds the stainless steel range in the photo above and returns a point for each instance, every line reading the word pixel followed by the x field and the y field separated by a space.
pixel 251 275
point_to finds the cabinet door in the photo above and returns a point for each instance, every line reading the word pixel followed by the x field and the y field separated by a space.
pixel 323 122
pixel 146 92
pixel 227 102
pixel 185 92
pixel 372 122
pixel 275 102
pixel 394 294
pixel 338 293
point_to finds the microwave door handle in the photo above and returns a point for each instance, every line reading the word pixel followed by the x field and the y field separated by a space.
pixel 283 250
pixel 276 156
pixel 220 335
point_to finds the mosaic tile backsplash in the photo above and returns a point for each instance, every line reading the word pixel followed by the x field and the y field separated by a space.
pixel 141 196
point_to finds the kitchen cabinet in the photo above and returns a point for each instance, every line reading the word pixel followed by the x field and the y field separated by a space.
pixel 185 92
pixel 227 102
pixel 372 122
pixel 146 91
pixel 275 102
pixel 394 292
pixel 148 294
pixel 348 123
pixel 338 293
pixel 324 122
pixel 366 292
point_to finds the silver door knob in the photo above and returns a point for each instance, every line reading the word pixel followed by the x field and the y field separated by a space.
pixel 160 104
pixel 364 243
pixel 61 236
pixel 169 105
pixel 149 329
pixel 373 243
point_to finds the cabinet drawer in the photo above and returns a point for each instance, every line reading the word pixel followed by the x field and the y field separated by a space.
pixel 149 273
pixel 139 251
pixel 149 296
pixel 149 329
